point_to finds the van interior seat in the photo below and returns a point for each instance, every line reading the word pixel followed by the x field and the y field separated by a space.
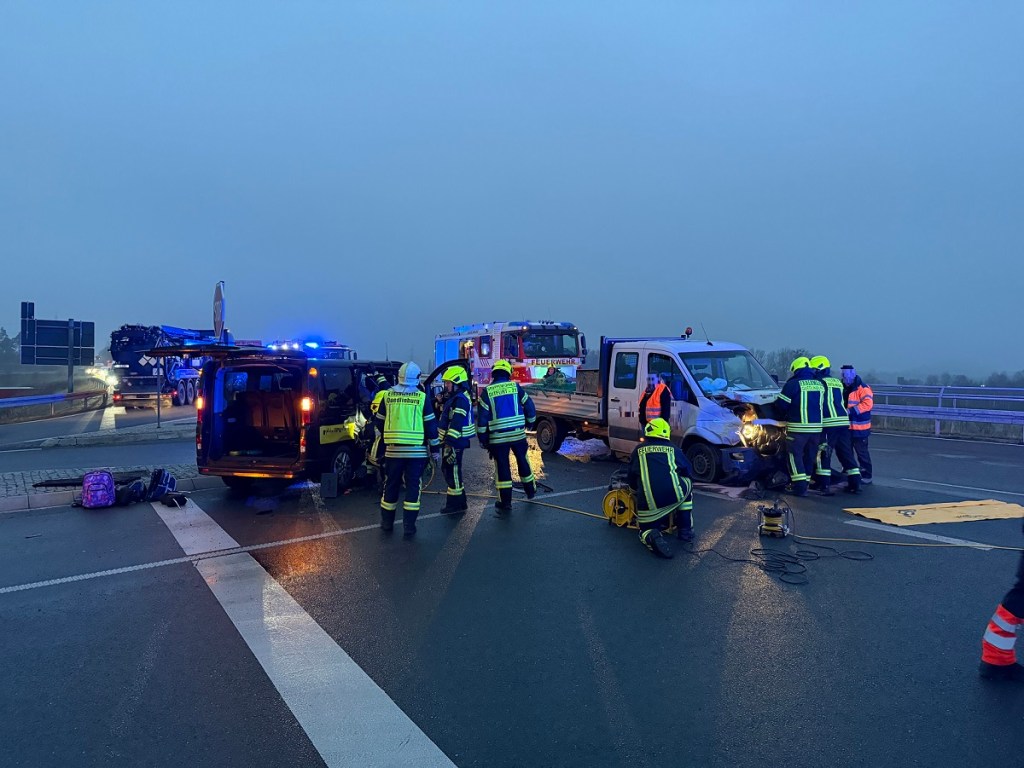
pixel 279 406
pixel 254 410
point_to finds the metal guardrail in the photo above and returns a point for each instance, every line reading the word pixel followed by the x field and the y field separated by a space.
pixel 51 400
pixel 987 405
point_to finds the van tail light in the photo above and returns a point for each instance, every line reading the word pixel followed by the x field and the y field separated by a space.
pixel 306 407
pixel 200 400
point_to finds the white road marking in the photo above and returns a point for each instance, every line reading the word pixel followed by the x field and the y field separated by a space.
pixel 195 558
pixel 545 496
pixel 107 422
pixel 919 534
pixel 964 487
pixel 21 450
pixel 348 717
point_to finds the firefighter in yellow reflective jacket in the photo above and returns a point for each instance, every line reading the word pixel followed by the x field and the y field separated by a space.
pixel 504 411
pixel 660 475
pixel 406 419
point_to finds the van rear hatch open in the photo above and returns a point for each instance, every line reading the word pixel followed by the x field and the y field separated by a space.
pixel 255 416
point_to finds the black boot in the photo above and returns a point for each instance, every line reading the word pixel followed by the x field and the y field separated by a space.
pixel 409 522
pixel 504 503
pixel 387 520
pixel 454 505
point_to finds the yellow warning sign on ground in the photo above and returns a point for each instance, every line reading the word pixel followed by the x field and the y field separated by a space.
pixel 952 512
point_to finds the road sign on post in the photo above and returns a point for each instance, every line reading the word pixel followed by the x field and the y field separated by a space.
pixel 218 311
pixel 56 342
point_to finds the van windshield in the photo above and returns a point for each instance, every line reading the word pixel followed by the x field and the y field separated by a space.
pixel 717 371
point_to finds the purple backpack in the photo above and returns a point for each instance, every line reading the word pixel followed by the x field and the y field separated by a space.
pixel 98 489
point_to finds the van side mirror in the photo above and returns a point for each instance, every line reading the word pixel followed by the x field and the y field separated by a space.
pixel 775 378
pixel 583 346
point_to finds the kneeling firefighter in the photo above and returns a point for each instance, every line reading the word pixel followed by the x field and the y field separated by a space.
pixel 407 420
pixel 455 430
pixel 659 473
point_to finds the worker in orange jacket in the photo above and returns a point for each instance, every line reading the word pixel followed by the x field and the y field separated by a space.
pixel 859 402
pixel 656 401
pixel 998 656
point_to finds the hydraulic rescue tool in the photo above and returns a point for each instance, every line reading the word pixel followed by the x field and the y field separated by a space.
pixel 776 520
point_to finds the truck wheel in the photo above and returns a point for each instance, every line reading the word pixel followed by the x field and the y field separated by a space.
pixel 178 398
pixel 190 393
pixel 550 435
pixel 344 465
pixel 704 461
pixel 238 485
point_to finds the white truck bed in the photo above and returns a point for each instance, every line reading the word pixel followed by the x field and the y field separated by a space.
pixel 568 405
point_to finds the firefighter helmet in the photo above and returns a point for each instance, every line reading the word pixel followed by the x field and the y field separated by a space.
pixel 658 428
pixel 502 365
pixel 820 363
pixel 800 362
pixel 456 374
pixel 409 374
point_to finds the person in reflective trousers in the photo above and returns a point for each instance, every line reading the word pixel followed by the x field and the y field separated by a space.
pixel 835 433
pixel 799 405
pixel 407 423
pixel 375 457
pixel 504 411
pixel 998 655
pixel 659 473
pixel 455 431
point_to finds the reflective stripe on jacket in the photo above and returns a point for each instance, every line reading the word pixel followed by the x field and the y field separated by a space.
pixel 833 410
pixel 860 400
pixel 800 402
pixel 456 426
pixel 503 412
pixel 660 474
pixel 408 424
pixel 657 405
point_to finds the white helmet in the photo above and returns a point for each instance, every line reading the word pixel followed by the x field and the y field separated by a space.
pixel 409 374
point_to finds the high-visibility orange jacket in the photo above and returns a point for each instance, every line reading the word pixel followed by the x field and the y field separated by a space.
pixel 656 405
pixel 859 402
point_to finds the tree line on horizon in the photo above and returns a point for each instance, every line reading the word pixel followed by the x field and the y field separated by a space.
pixel 778 361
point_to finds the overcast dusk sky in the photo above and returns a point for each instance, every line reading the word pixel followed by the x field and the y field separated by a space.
pixel 846 177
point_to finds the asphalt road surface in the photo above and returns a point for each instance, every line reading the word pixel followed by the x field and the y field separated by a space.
pixel 113 417
pixel 545 639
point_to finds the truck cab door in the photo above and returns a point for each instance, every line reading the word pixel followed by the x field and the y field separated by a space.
pixel 625 388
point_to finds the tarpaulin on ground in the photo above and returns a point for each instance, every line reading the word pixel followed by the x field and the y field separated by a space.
pixel 951 512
